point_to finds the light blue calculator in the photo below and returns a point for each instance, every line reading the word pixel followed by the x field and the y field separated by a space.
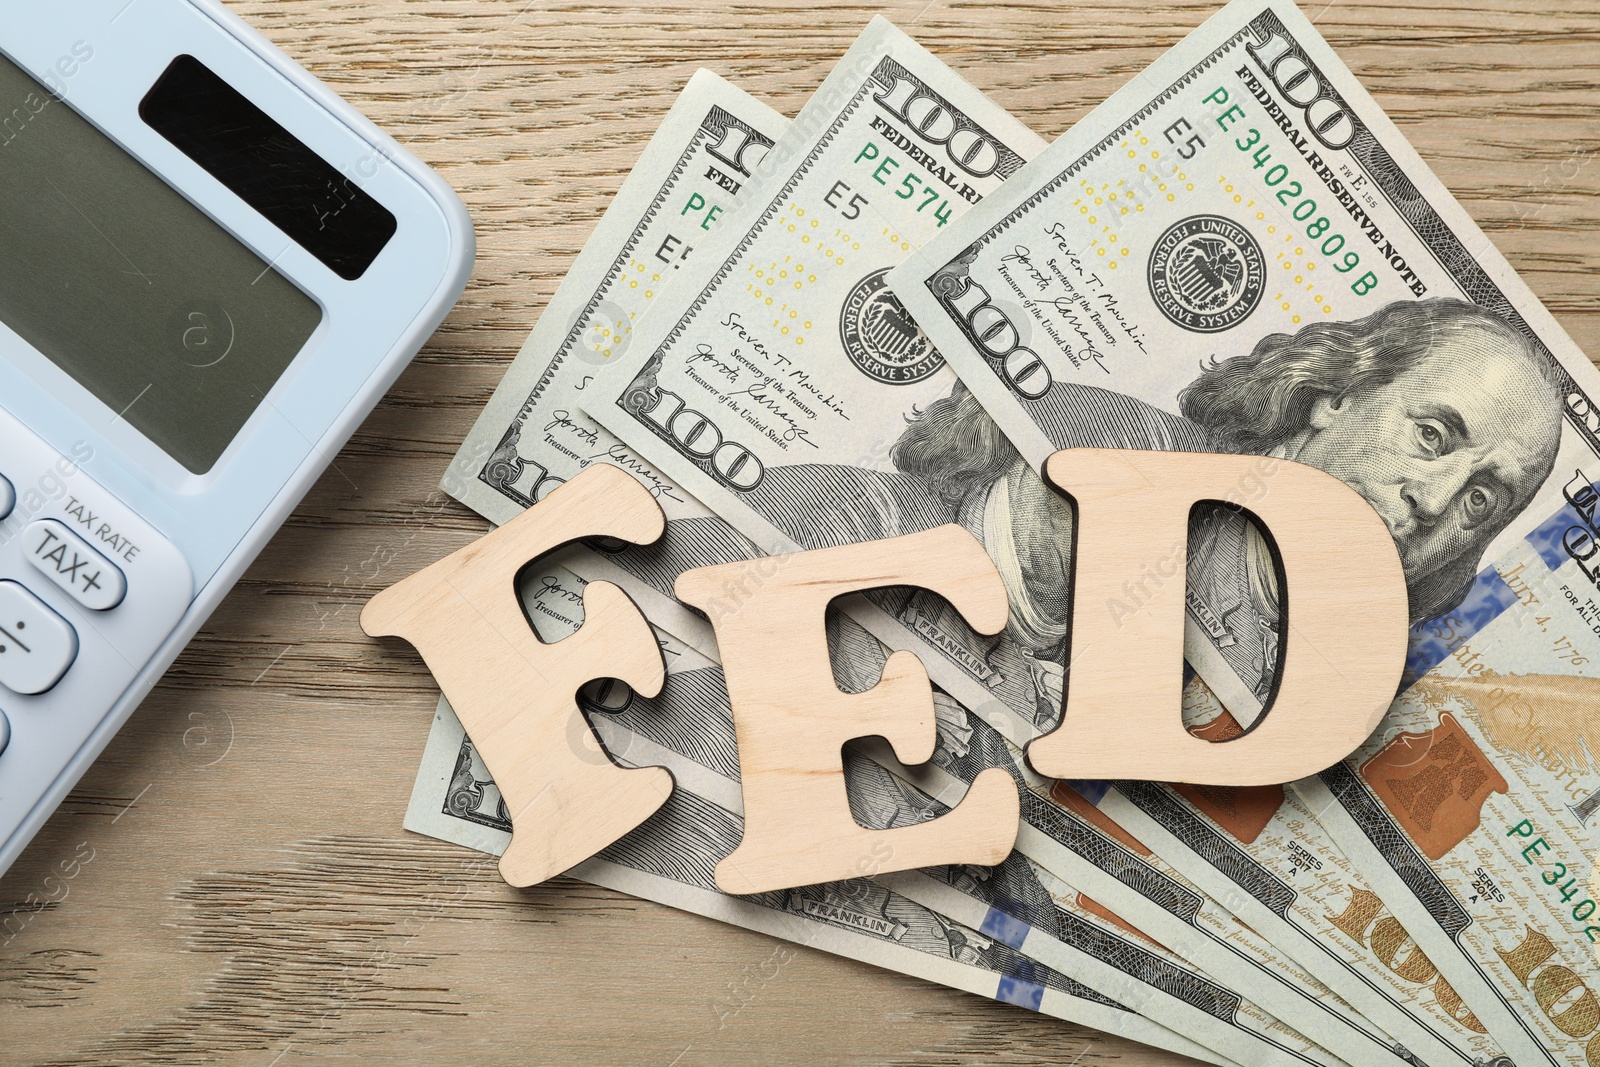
pixel 211 268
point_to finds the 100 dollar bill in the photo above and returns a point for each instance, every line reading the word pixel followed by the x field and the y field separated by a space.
pixel 1047 919
pixel 532 435
pixel 1262 854
pixel 1239 252
pixel 1470 810
pixel 799 263
pixel 671 857
pixel 802 406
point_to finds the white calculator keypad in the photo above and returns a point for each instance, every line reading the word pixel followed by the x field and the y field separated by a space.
pixel 89 591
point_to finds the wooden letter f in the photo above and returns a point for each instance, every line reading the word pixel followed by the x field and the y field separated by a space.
pixel 516 695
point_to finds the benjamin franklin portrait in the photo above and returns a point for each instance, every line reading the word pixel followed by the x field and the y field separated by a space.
pixel 1439 413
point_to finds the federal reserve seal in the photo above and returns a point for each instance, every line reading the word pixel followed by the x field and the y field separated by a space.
pixel 1207 273
pixel 881 338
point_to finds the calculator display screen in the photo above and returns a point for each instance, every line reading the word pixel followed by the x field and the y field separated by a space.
pixel 155 309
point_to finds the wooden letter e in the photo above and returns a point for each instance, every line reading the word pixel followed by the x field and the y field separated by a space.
pixel 516 695
pixel 791 719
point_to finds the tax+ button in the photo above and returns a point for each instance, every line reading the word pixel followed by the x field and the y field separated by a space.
pixel 68 561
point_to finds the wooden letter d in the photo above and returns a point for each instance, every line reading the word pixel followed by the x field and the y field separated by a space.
pixel 1344 644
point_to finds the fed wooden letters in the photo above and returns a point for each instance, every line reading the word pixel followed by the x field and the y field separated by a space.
pixel 1343 649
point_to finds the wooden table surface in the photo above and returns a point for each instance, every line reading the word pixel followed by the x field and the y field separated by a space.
pixel 250 897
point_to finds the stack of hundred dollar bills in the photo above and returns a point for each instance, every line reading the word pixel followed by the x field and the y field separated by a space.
pixel 883 315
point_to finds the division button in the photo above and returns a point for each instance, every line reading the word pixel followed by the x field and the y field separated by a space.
pixel 68 561
pixel 36 645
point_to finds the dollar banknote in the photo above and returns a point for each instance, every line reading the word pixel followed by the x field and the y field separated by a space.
pixel 1050 921
pixel 1470 809
pixel 793 270
pixel 1262 854
pixel 1239 252
pixel 830 427
pixel 533 435
pixel 671 858
pixel 691 720
pixel 1064 834
pixel 1205 949
pixel 1361 303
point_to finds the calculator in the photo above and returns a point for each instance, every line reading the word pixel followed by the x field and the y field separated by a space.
pixel 211 269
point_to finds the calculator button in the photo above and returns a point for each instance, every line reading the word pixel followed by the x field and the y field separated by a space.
pixel 8 500
pixel 36 645
pixel 68 561
pixel 5 731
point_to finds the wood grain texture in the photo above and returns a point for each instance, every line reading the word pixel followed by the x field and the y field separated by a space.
pixel 1343 635
pixel 792 721
pixel 251 898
